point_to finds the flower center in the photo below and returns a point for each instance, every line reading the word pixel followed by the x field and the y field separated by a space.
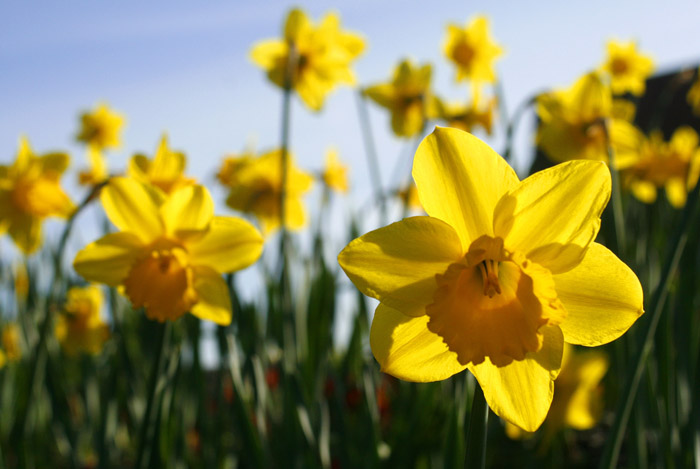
pixel 619 66
pixel 37 197
pixel 162 283
pixel 493 304
pixel 463 53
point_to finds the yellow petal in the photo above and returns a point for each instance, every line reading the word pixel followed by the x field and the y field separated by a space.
pixel 522 391
pixel 297 23
pixel 676 192
pixel 132 207
pixel 460 180
pixel 405 347
pixel 645 191
pixel 25 231
pixel 56 162
pixel 266 54
pixel 213 303
pixel 188 209
pixel 397 264
pixel 109 259
pixel 602 296
pixel 554 215
pixel 230 244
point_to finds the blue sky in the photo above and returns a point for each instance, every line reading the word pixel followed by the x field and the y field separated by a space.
pixel 183 67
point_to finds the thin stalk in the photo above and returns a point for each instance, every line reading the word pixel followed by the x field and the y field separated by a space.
pixel 624 408
pixel 475 457
pixel 39 356
pixel 618 216
pixel 371 152
pixel 512 124
pixel 161 336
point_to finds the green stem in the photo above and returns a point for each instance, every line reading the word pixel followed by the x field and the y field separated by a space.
pixel 475 457
pixel 161 336
pixel 512 123
pixel 39 356
pixel 371 152
pixel 658 300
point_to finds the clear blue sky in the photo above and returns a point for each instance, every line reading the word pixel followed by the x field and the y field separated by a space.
pixel 183 67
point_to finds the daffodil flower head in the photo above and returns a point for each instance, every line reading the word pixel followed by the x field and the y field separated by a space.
pixel 80 328
pixel 409 98
pixel 30 191
pixel 335 173
pixel 11 344
pixel 472 50
pixel 627 68
pixel 470 116
pixel 166 170
pixel 496 278
pixel 672 165
pixel 171 251
pixel 576 123
pixel 101 128
pixel 310 59
pixel 96 173
pixel 255 185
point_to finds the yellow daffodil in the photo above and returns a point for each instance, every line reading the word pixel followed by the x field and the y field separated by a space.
pixel 409 196
pixel 314 59
pixel 335 173
pixel 11 342
pixel 171 251
pixel 231 167
pixel 573 124
pixel 30 191
pixel 472 50
pixel 408 97
pixel 673 165
pixel 96 173
pixel 21 281
pixel 469 117
pixel 166 170
pixel 577 401
pixel 627 68
pixel 623 109
pixel 499 275
pixel 694 94
pixel 101 128
pixel 255 186
pixel 80 327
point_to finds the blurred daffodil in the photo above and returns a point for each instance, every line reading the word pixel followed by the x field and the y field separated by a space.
pixel 100 128
pixel 409 197
pixel 335 173
pixel 472 50
pixel 694 94
pixel 471 116
pixel 499 275
pixel 408 97
pixel 96 173
pixel 255 185
pixel 627 68
pixel 573 124
pixel 673 165
pixel 171 251
pixel 80 328
pixel 166 170
pixel 11 342
pixel 310 59
pixel 30 191
pixel 577 401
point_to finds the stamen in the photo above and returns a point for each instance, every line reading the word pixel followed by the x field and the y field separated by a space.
pixel 489 274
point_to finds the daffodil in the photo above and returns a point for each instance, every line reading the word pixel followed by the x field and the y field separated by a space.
pixel 255 185
pixel 96 173
pixel 472 50
pixel 409 196
pixel 499 275
pixel 694 94
pixel 335 173
pixel 171 251
pixel 166 170
pixel 469 117
pixel 573 124
pixel 627 68
pixel 231 167
pixel 11 342
pixel 311 59
pixel 673 165
pixel 101 128
pixel 408 97
pixel 30 191
pixel 80 328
